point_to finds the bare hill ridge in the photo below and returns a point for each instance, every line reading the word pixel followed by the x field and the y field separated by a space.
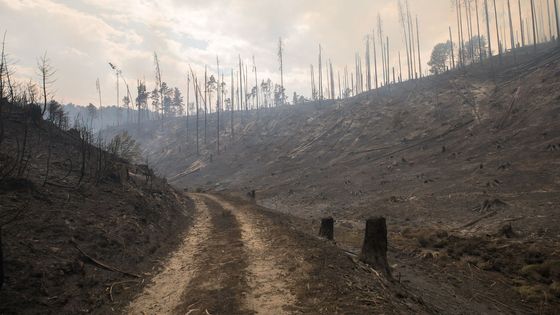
pixel 455 139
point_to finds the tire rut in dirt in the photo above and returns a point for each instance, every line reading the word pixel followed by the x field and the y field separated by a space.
pixel 270 273
pixel 220 282
pixel 165 291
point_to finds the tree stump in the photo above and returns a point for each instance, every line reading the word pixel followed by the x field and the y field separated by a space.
pixel 327 228
pixel 252 194
pixel 374 249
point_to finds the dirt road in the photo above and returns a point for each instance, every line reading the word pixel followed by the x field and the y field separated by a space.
pixel 237 259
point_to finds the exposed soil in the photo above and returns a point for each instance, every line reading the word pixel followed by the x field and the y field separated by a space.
pixel 75 247
pixel 167 288
pixel 253 261
pixel 464 166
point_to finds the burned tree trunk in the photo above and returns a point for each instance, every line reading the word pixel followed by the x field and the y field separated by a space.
pixel 327 228
pixel 533 17
pixel 1 261
pixel 252 194
pixel 557 21
pixel 374 249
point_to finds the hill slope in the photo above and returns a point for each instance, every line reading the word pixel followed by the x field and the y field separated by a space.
pixel 464 165
pixel 77 243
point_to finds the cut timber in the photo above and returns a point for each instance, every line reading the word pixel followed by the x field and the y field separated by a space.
pixel 327 228
pixel 374 249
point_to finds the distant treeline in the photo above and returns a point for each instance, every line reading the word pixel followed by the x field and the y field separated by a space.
pixel 100 119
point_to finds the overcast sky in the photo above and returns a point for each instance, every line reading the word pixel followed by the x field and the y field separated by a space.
pixel 82 36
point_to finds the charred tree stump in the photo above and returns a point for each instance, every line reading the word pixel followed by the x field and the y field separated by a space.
pixel 374 249
pixel 327 228
pixel 252 194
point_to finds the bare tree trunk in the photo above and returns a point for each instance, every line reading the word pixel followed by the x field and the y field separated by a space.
pixel 195 87
pixel 159 82
pixel 375 60
pixel 320 75
pixel 511 32
pixel 488 30
pixel 400 68
pixel 332 81
pixel 557 21
pixel 462 37
pixel 2 85
pixel 358 73
pixel 187 108
pixel 256 84
pixel 469 26
pixel 418 41
pixel 1 257
pixel 368 64
pixel 382 46
pixel 497 31
pixel 246 84
pixel 534 25
pixel 403 20
pixel 452 48
pixel 388 78
pixel 281 55
pixel 478 31
pixel 313 88
pixel 549 19
pixel 538 17
pixel 521 26
pixel 22 165
pixel 240 90
pixel 49 151
pixel 328 85
pixel 339 89
pixel 218 95
pixel 540 21
pixel 411 41
pixel 232 105
pixel 205 102
pixel 352 80
pixel 346 83
pixel 361 73
pixel 44 69
pixel 459 46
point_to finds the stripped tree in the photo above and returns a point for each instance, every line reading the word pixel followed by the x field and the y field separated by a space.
pixel 281 61
pixel 159 83
pixel 402 19
pixel 534 25
pixel 46 72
